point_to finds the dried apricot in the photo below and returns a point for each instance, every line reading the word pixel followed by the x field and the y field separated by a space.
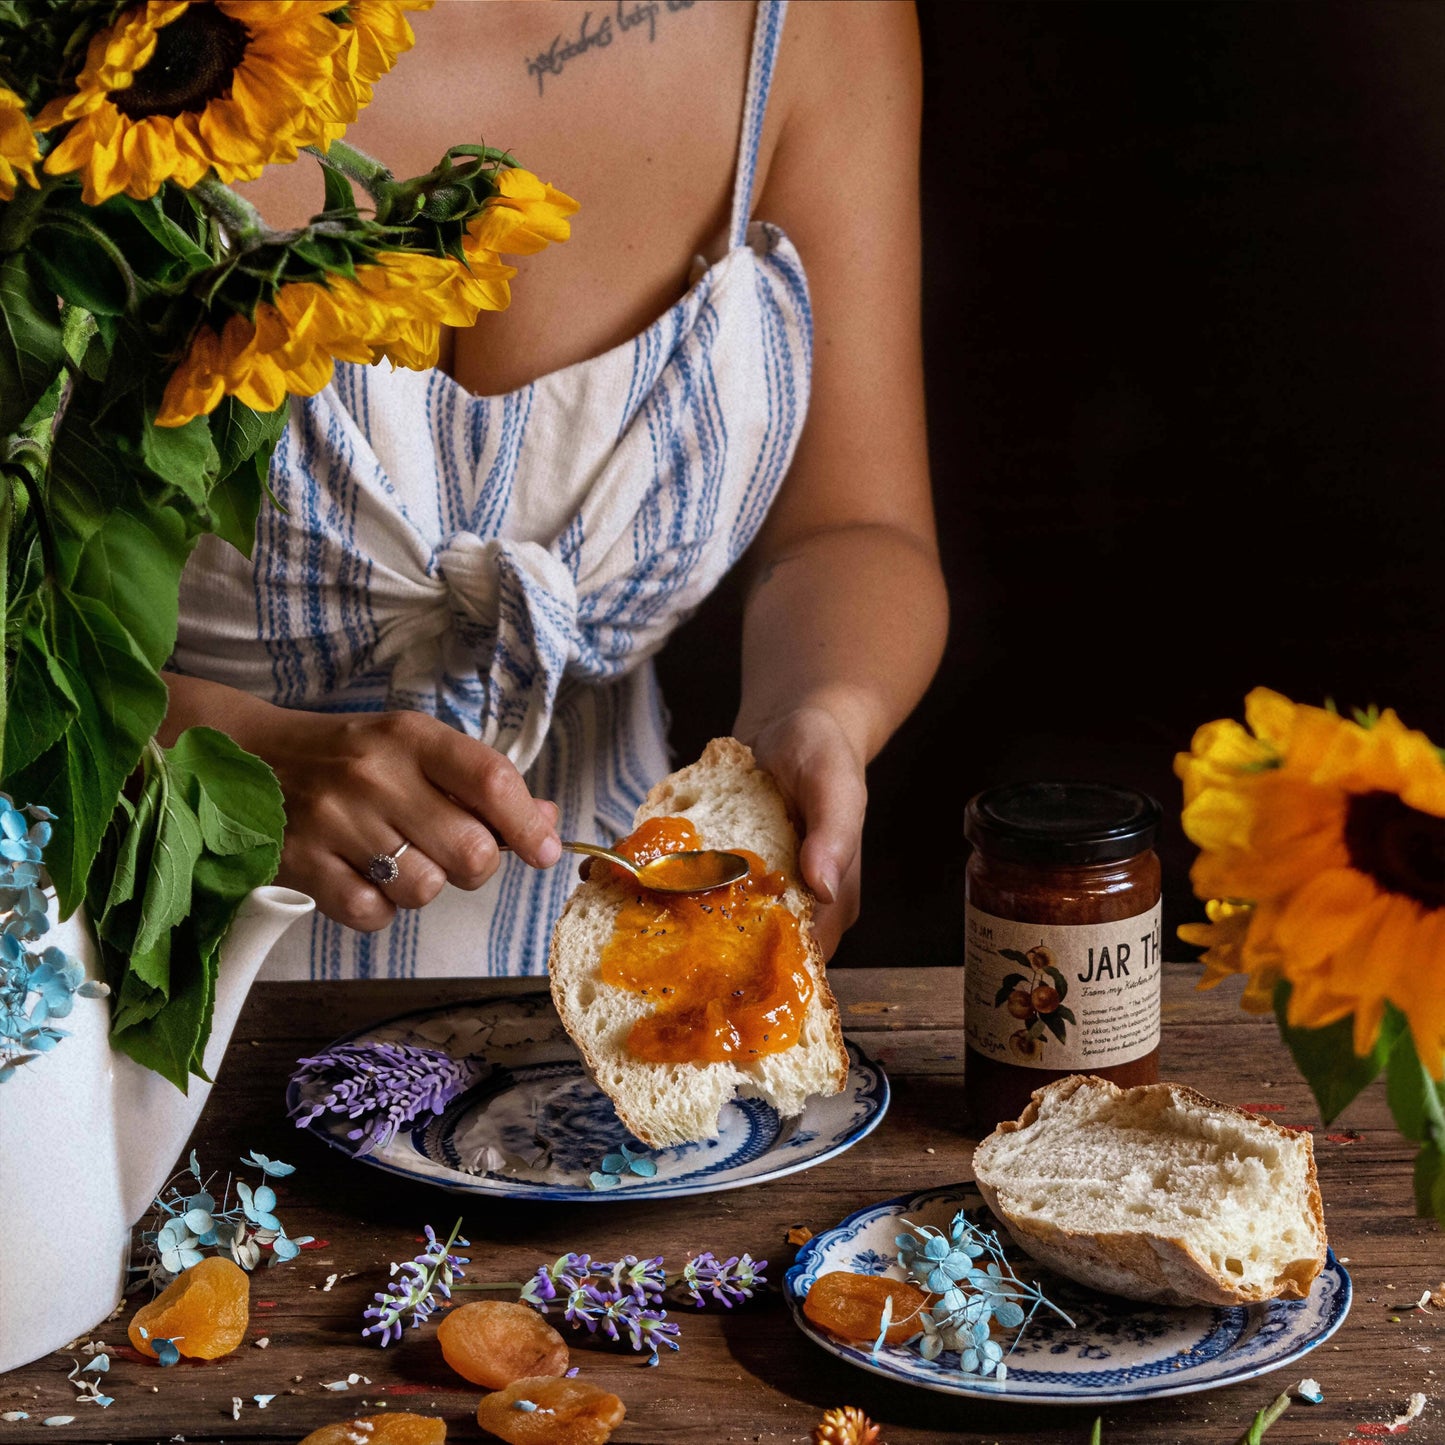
pixel 397 1429
pixel 851 1306
pixel 493 1342
pixel 204 1311
pixel 546 1410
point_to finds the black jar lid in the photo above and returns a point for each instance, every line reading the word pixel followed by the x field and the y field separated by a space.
pixel 1062 822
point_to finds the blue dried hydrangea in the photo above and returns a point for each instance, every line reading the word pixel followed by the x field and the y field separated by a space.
pixel 977 1289
pixel 385 1086
pixel 35 988
pixel 191 1224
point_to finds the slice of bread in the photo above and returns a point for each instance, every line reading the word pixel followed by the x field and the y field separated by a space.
pixel 733 804
pixel 1157 1193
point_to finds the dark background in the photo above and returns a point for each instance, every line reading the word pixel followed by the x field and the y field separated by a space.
pixel 1185 310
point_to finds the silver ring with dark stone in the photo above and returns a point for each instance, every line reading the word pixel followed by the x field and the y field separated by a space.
pixel 384 867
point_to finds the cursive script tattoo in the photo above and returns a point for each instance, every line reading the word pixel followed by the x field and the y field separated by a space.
pixel 628 17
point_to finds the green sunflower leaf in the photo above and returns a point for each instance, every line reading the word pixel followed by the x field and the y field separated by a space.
pixel 31 348
pixel 1327 1059
pixel 184 456
pixel 132 564
pixel 244 441
pixel 41 704
pixel 120 702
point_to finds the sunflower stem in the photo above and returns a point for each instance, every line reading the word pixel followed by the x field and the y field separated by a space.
pixel 241 221
pixel 355 165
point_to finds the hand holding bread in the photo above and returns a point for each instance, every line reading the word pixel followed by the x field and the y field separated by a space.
pixel 728 802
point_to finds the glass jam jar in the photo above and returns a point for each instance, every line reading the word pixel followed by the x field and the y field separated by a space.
pixel 1061 941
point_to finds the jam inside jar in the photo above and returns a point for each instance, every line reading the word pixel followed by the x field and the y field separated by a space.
pixel 726 971
pixel 1062 935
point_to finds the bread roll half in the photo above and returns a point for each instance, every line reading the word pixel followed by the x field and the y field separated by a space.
pixel 1157 1193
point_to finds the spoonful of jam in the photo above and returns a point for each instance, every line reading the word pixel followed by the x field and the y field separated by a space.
pixel 696 870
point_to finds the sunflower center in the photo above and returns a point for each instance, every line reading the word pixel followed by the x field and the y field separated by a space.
pixel 194 60
pixel 1402 849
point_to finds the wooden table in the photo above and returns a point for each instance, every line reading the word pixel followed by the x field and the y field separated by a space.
pixel 748 1375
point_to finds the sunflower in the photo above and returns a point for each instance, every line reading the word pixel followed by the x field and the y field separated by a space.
pixel 18 149
pixel 375 33
pixel 175 89
pixel 393 308
pixel 1323 859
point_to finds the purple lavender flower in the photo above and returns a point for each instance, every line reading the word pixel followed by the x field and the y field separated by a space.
pixel 645 1278
pixel 729 1281
pixel 612 1297
pixel 385 1085
pixel 415 1286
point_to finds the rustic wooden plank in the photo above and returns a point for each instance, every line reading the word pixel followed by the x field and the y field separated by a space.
pixel 748 1375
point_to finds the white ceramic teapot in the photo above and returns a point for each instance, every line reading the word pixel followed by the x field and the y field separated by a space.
pixel 88 1137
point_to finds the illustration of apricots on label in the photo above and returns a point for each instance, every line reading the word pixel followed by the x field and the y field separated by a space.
pixel 1036 1000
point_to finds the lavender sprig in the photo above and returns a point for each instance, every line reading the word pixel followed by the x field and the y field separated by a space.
pixel 385 1085
pixel 619 1298
pixel 416 1285
pixel 729 1281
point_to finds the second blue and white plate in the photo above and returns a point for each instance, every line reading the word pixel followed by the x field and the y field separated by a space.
pixel 1115 1349
pixel 535 1126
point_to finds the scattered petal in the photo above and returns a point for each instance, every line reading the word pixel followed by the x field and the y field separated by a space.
pixel 263 1342
pixel 59 1420
pixel 1413 1411
pixel 262 1400
pixel 235 1407
pixel 1309 1391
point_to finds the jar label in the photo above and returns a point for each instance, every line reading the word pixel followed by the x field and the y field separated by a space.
pixel 1077 996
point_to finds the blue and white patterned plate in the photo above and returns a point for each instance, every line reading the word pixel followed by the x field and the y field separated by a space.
pixel 1116 1349
pixel 535 1126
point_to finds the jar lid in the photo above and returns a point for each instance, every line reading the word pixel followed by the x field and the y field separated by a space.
pixel 1062 822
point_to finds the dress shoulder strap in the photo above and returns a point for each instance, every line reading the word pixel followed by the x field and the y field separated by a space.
pixel 767 30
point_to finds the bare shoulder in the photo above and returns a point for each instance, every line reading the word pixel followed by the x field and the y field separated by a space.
pixel 847 97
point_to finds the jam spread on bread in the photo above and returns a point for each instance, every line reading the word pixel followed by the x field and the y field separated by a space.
pixel 725 970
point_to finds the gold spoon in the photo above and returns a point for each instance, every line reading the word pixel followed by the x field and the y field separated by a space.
pixel 697 870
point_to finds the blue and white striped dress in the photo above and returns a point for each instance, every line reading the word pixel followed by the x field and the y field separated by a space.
pixel 511 563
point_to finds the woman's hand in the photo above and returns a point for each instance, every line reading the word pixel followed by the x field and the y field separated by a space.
pixel 359 784
pixel 810 757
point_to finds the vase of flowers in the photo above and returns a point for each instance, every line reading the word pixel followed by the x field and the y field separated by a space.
pixel 151 329
pixel 1322 868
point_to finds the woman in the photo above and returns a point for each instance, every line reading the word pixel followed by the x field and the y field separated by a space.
pixel 442 638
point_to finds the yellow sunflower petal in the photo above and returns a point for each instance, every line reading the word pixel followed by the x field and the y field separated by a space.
pixel 19 150
pixel 1270 717
pixel 524 216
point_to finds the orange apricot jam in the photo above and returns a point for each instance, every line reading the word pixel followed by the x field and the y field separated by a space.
pixel 725 970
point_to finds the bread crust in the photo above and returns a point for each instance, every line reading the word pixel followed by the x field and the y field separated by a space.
pixel 1143 1264
pixel 724 762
